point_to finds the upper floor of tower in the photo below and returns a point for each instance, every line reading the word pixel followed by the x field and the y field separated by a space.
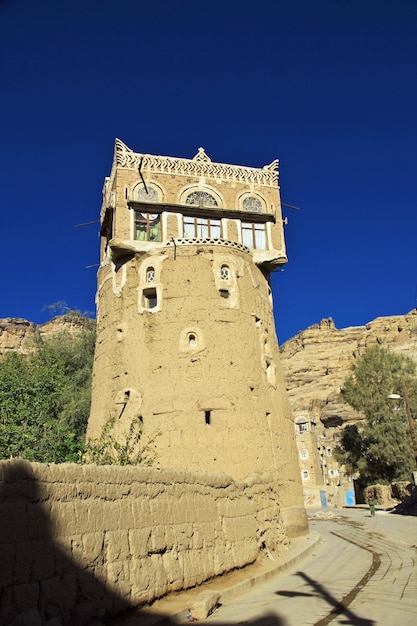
pixel 151 202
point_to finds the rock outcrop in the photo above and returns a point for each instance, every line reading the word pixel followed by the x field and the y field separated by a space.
pixel 317 360
pixel 20 335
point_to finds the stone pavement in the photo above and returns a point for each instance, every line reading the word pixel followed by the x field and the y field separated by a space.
pixel 358 575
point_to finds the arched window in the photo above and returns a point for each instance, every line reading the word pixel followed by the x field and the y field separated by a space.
pixel 148 194
pixel 225 272
pixel 251 203
pixel 301 425
pixel 201 199
pixel 150 274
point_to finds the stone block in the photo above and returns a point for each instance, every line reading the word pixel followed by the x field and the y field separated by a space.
pixel 14 521
pixel 57 596
pixel 116 545
pixel 7 560
pixel 139 541
pixel 173 571
pixel 26 596
pixel 43 555
pixel 93 549
pixel 157 541
pixel 159 576
pixel 27 618
pixel 23 562
pixel 204 604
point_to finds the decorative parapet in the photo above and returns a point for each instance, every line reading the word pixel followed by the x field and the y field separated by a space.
pixel 208 240
pixel 200 165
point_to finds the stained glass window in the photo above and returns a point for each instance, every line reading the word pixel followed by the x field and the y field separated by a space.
pixel 150 275
pixel 224 272
pixel 201 198
pixel 250 203
pixel 148 194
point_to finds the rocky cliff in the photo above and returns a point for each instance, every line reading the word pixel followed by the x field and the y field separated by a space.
pixel 318 359
pixel 20 335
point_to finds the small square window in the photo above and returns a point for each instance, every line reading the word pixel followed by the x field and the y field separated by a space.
pixel 305 475
pixel 224 293
pixel 304 454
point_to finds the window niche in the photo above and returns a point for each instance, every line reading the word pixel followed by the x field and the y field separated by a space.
pixel 301 425
pixel 191 341
pixel 150 299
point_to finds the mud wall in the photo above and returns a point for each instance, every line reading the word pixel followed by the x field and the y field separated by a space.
pixel 81 542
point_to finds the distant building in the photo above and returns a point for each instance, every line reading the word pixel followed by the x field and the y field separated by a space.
pixel 319 469
pixel 186 340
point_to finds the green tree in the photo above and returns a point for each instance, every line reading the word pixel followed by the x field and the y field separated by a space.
pixel 379 448
pixel 45 398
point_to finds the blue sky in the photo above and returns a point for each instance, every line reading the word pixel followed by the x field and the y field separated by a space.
pixel 329 87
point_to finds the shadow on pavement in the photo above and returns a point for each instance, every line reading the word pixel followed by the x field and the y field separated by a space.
pixel 338 608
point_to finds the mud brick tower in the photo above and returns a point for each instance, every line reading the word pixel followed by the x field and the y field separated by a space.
pixel 186 339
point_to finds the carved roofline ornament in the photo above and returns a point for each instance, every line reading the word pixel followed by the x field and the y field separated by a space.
pixel 200 165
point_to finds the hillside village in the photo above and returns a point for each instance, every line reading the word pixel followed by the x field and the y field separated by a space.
pixel 316 362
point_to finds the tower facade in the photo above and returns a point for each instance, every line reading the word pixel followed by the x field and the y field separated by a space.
pixel 186 338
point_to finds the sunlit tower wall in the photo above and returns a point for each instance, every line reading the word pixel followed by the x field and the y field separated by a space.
pixel 186 339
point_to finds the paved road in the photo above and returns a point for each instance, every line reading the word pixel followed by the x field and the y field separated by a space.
pixel 363 573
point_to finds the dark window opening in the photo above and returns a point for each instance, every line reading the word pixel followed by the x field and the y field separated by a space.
pixel 150 300
pixel 224 293
pixel 207 415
